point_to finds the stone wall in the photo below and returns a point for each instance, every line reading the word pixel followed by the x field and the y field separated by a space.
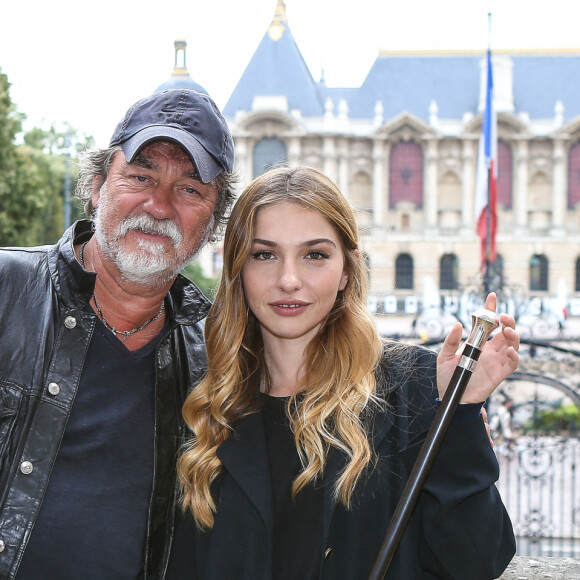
pixel 525 568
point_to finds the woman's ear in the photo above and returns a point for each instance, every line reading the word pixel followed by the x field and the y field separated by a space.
pixel 344 279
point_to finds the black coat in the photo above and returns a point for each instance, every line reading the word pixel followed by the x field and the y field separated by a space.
pixel 460 528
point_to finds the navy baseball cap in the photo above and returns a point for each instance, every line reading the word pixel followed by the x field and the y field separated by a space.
pixel 187 117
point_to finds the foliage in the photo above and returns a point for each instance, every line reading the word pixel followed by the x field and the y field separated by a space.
pixel 208 286
pixel 557 420
pixel 32 177
pixel 10 125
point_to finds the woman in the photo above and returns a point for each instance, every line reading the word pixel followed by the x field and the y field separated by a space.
pixel 306 425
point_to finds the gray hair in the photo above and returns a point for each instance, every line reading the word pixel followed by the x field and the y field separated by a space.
pixel 95 164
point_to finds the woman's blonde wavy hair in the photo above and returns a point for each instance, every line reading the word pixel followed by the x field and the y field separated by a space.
pixel 339 362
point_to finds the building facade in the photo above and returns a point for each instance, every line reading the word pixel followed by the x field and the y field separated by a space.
pixel 403 147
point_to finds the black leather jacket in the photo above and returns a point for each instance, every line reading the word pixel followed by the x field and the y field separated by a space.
pixel 45 331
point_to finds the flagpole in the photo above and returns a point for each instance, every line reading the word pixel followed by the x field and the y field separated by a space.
pixel 488 209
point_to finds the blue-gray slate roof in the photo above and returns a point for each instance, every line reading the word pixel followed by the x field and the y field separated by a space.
pixel 277 69
pixel 540 81
pixel 409 82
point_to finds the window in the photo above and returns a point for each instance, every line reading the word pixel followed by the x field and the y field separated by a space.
pixel 578 275
pixel 574 176
pixel 504 174
pixel 538 273
pixel 406 178
pixel 448 272
pixel 268 152
pixel 404 272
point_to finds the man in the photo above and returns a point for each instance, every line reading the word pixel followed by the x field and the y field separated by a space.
pixel 100 339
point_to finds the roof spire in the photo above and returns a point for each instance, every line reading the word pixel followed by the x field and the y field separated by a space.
pixel 279 22
pixel 180 69
pixel 180 78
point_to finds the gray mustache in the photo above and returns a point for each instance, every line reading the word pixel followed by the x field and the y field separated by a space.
pixel 149 225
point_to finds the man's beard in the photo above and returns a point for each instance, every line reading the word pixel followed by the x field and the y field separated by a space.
pixel 149 265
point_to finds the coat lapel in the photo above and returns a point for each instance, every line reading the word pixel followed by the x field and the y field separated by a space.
pixel 245 456
pixel 381 424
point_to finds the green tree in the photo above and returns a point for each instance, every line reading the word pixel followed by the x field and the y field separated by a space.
pixel 51 150
pixel 208 286
pixel 32 177
pixel 563 418
pixel 10 205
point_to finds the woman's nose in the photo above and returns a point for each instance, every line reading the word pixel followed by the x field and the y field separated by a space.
pixel 289 279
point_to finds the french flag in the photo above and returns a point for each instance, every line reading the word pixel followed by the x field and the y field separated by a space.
pixel 486 185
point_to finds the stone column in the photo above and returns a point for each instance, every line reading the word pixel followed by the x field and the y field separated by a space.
pixel 520 192
pixel 294 149
pixel 243 159
pixel 559 202
pixel 430 185
pixel 343 167
pixel 469 162
pixel 380 192
pixel 329 158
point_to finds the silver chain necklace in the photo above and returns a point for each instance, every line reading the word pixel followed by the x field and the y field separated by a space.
pixel 124 333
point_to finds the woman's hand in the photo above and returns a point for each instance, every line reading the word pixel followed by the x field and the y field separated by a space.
pixel 498 359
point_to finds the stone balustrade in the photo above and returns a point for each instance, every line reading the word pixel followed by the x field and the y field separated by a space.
pixel 529 568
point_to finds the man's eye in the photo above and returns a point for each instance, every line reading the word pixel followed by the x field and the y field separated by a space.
pixel 141 178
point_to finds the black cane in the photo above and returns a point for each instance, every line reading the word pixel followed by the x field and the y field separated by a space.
pixel 484 323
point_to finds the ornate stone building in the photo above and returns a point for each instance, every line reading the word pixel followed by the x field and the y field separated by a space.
pixel 403 148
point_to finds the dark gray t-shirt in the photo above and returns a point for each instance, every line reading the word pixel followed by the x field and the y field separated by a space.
pixel 93 520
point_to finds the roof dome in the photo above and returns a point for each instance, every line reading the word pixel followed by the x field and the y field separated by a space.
pixel 180 78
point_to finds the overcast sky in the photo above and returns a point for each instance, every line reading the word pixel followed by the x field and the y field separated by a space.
pixel 87 62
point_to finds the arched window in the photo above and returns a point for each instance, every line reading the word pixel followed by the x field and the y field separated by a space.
pixel 268 152
pixel 406 178
pixel 404 272
pixel 578 275
pixel 504 174
pixel 448 272
pixel 574 176
pixel 539 273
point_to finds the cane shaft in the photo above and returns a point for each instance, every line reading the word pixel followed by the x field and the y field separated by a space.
pixel 422 467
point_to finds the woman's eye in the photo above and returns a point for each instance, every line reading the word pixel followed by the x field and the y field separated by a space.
pixel 262 255
pixel 317 255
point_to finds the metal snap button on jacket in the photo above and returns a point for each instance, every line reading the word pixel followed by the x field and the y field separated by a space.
pixel 26 467
pixel 54 389
pixel 70 321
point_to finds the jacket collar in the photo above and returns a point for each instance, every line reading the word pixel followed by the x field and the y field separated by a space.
pixel 245 456
pixel 186 302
